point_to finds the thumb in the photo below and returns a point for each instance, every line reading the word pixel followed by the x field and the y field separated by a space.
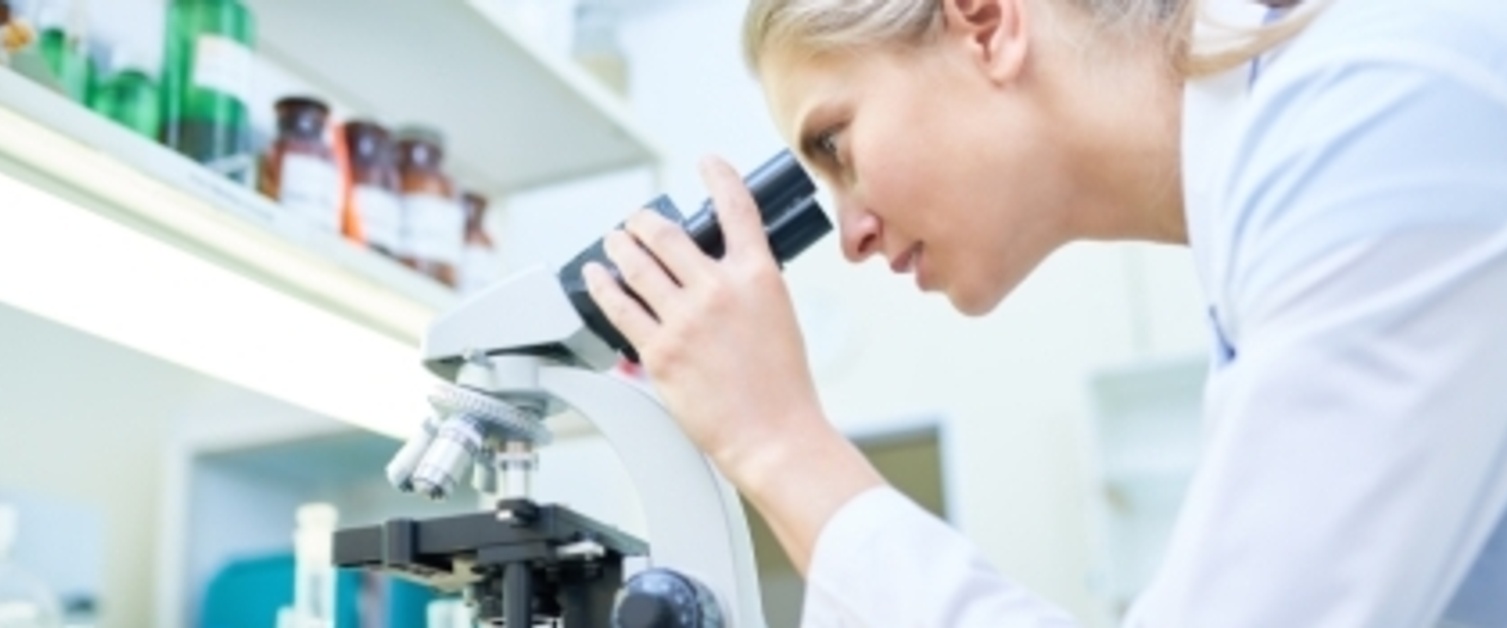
pixel 737 213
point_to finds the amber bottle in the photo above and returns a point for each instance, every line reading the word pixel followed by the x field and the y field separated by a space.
pixel 375 203
pixel 436 222
pixel 299 169
pixel 479 260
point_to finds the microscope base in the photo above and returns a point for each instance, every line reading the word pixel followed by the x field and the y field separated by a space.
pixel 522 564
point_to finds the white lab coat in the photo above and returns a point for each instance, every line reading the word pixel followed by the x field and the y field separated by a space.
pixel 1348 217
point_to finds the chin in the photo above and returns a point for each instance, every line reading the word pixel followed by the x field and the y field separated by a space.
pixel 973 304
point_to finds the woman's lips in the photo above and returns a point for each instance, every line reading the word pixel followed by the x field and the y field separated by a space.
pixel 906 262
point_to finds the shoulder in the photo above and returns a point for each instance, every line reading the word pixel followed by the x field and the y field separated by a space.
pixel 1402 30
pixel 1385 116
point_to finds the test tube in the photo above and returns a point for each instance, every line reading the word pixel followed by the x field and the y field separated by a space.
pixel 313 566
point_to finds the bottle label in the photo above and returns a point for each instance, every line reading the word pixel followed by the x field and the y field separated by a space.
pixel 436 228
pixel 479 267
pixel 223 65
pixel 310 187
pixel 381 215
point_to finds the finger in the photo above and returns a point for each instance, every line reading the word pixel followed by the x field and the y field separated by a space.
pixel 626 314
pixel 670 244
pixel 641 272
pixel 742 228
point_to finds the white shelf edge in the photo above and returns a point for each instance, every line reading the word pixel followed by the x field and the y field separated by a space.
pixel 152 189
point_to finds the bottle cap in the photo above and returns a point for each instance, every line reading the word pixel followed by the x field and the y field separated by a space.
pixel 420 146
pixel 302 115
pixel 367 141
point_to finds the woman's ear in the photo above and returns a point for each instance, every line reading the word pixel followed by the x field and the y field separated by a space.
pixel 993 32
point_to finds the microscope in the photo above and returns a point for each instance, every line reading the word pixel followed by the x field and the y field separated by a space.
pixel 532 346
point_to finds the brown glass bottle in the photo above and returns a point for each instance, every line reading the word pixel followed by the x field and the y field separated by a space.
pixel 299 170
pixel 479 261
pixel 374 203
pixel 436 223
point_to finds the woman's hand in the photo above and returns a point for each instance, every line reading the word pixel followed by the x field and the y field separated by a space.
pixel 719 337
pixel 720 340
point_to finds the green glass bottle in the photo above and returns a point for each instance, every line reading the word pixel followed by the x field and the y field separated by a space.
pixel 61 44
pixel 130 97
pixel 206 84
pixel 127 60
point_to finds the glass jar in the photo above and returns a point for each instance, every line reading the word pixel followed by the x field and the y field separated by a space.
pixel 374 201
pixel 206 84
pixel 61 40
pixel 436 223
pixel 480 263
pixel 126 40
pixel 595 45
pixel 299 169
pixel 314 573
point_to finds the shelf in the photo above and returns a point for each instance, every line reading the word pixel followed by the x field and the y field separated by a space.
pixel 115 236
pixel 118 237
pixel 72 152
pixel 515 115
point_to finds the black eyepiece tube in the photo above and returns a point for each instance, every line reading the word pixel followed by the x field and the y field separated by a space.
pixel 792 219
pixel 783 194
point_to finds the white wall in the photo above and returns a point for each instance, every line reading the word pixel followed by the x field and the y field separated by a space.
pixel 1013 384
pixel 85 420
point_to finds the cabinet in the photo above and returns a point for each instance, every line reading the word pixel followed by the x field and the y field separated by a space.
pixel 1144 439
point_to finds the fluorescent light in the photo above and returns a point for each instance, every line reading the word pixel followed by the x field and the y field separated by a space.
pixel 73 265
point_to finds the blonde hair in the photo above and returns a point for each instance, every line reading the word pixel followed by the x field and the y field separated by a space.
pixel 831 25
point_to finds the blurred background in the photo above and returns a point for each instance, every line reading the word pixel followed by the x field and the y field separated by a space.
pixel 225 223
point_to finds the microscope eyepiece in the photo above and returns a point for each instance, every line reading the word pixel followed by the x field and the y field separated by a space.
pixel 792 218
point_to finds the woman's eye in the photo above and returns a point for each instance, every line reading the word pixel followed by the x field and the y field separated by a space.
pixel 827 144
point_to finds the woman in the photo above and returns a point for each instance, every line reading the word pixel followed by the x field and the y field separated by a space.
pixel 1341 176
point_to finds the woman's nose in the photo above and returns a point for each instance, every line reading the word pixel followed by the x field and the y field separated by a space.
pixel 860 233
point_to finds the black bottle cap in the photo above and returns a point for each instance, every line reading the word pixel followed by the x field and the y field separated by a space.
pixel 420 146
pixel 367 141
pixel 302 116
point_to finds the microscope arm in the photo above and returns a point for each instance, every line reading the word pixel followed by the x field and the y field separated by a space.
pixel 696 522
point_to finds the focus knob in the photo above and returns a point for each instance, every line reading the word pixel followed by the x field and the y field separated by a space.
pixel 661 598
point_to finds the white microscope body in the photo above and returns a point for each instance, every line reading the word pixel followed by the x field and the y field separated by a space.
pixel 535 345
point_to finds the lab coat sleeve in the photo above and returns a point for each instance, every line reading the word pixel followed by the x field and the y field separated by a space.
pixel 1355 459
pixel 883 562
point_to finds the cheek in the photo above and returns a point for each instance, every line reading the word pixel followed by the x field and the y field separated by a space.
pixel 897 176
